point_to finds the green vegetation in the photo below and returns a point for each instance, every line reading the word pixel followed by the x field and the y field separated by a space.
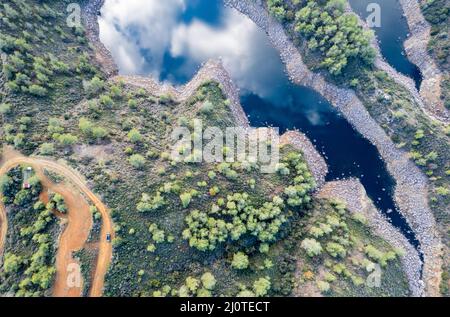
pixel 389 103
pixel 28 263
pixel 335 35
pixel 437 13
pixel 341 254
pixel 182 228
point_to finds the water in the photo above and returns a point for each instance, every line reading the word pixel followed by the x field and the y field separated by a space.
pixel 391 34
pixel 170 39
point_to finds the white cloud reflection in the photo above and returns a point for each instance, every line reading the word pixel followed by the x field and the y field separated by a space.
pixel 139 35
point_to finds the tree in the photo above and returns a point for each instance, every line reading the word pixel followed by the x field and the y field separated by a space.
pixel 59 203
pixel 47 149
pixel 192 284
pixel 185 199
pixel 240 261
pixel 312 247
pixel 22 198
pixel 12 263
pixel 261 286
pixel 5 108
pixel 208 281
pixel 5 184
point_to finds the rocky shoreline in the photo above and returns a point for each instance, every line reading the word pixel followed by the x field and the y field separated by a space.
pixel 430 108
pixel 90 21
pixel 355 197
pixel 416 47
pixel 411 190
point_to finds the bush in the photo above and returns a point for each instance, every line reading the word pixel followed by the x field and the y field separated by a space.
pixel 137 161
pixel 94 86
pixel 99 133
pixel 37 90
pixel 67 139
pixel 134 136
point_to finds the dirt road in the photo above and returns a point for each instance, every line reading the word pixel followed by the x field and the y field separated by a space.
pixel 77 217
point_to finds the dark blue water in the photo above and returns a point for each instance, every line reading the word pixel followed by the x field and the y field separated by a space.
pixel 170 39
pixel 391 34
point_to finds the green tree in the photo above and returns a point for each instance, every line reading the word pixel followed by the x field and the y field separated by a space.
pixel 12 263
pixel 67 139
pixel 312 247
pixel 185 199
pixel 208 281
pixel 261 286
pixel 47 149
pixel 240 261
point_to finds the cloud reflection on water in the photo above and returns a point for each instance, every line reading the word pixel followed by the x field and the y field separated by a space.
pixel 142 37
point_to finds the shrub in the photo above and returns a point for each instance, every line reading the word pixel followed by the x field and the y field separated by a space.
pixel 137 161
pixel 192 284
pixel 335 249
pixel 148 203
pixel 134 136
pixel 94 86
pixel 99 133
pixel 37 90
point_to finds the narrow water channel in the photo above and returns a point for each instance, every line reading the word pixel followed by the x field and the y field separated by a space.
pixel 170 39
pixel 392 32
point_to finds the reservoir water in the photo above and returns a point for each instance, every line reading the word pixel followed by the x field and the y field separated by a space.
pixel 170 39
pixel 391 33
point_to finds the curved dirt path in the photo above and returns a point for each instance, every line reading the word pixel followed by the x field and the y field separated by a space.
pixel 74 233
